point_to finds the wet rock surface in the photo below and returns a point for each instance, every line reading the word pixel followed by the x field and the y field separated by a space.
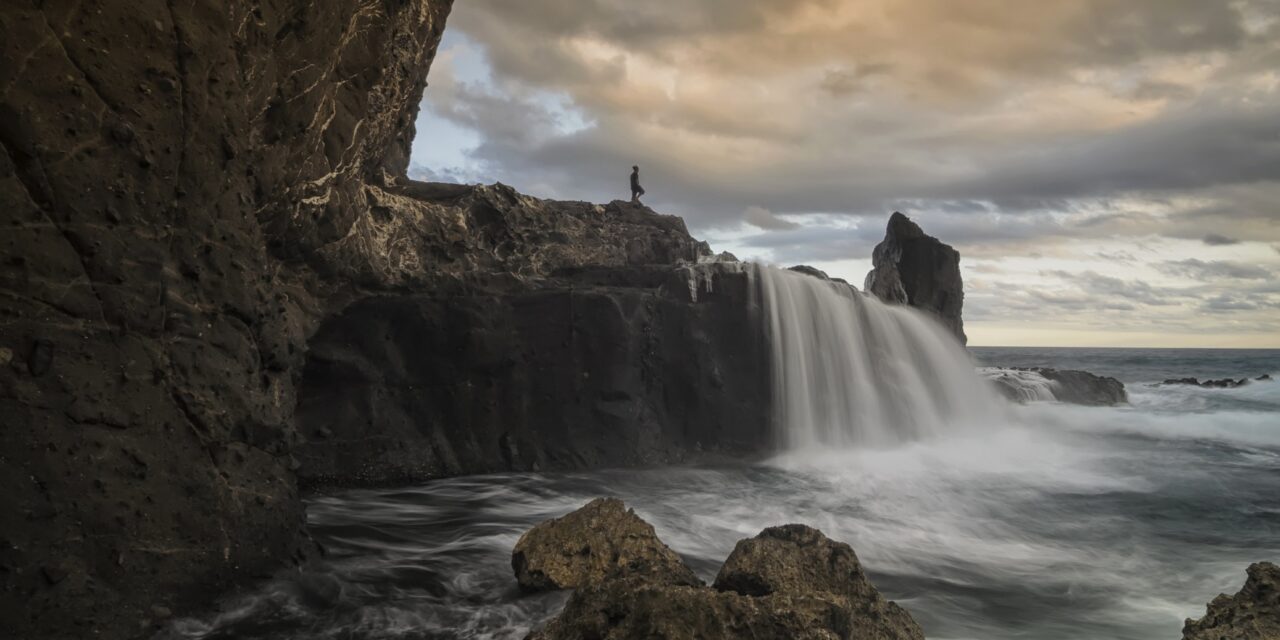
pixel 601 541
pixel 1251 614
pixel 788 582
pixel 1066 385
pixel 916 269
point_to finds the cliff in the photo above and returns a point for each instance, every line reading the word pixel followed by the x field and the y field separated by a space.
pixel 212 256
pixel 914 268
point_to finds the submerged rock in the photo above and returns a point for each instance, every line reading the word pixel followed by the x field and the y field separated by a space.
pixel 601 541
pixel 1223 383
pixel 1251 614
pixel 916 269
pixel 1022 384
pixel 788 582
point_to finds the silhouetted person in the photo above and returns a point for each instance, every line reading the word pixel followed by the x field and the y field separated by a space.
pixel 636 189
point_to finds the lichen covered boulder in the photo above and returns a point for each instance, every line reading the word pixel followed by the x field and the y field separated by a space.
pixel 601 541
pixel 787 582
pixel 796 560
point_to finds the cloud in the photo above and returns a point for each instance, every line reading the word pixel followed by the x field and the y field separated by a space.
pixel 764 219
pixel 1218 240
pixel 1215 270
pixel 793 127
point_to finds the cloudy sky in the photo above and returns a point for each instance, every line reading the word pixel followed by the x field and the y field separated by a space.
pixel 1108 169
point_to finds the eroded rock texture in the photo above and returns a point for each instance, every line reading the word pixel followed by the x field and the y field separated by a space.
pixel 601 541
pixel 175 178
pixel 193 194
pixel 911 267
pixel 1251 614
pixel 788 582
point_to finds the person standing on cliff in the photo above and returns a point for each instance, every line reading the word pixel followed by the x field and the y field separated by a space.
pixel 636 189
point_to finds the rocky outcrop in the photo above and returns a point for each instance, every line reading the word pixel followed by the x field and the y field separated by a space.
pixel 1023 384
pixel 788 582
pixel 175 179
pixel 1251 614
pixel 1222 383
pixel 599 542
pixel 913 268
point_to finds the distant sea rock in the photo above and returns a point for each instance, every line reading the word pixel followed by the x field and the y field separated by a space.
pixel 788 582
pixel 916 269
pixel 1221 383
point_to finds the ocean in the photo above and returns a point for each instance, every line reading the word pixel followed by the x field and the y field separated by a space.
pixel 1052 522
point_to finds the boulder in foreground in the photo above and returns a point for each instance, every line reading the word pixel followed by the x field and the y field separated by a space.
pixel 787 582
pixel 1251 614
pixel 601 541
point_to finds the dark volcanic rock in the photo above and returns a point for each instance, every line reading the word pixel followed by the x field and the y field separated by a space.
pixel 601 541
pixel 916 269
pixel 595 367
pixel 788 582
pixel 1251 614
pixel 171 174
pixel 189 193
pixel 1223 383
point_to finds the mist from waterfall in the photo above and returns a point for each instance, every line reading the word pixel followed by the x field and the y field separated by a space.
pixel 850 371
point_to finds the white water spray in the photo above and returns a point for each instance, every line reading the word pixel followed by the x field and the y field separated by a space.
pixel 851 371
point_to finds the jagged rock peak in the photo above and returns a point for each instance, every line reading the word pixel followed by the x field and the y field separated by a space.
pixel 1251 614
pixel 916 269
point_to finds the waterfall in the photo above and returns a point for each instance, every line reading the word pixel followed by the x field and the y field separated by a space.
pixel 1022 385
pixel 851 371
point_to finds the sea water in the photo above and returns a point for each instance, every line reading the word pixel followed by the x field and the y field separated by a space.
pixel 1052 522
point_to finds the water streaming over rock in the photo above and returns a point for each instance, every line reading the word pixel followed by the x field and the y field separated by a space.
pixel 851 371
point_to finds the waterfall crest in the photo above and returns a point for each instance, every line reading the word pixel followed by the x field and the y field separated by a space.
pixel 851 371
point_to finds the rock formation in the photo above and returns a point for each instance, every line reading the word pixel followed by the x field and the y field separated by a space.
pixel 916 269
pixel 787 582
pixel 599 542
pixel 181 186
pixel 1251 614
pixel 1222 383
pixel 597 366
pixel 212 254
pixel 1021 384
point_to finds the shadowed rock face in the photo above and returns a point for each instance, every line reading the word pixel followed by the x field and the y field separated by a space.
pixel 170 172
pixel 916 269
pixel 788 582
pixel 593 367
pixel 1251 614
pixel 189 192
